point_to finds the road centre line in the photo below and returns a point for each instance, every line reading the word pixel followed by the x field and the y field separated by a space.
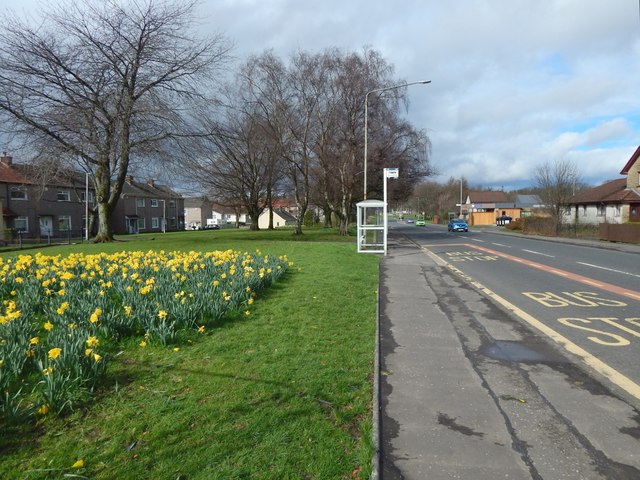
pixel 538 253
pixel 609 269
pixel 592 361
pixel 572 276
pixel 501 245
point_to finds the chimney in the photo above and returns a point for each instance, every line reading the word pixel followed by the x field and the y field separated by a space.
pixel 6 159
pixel 150 182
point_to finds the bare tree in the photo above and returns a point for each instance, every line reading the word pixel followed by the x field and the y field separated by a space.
pixel 556 182
pixel 101 84
pixel 340 135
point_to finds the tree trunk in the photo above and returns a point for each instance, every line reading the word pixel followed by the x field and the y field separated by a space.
pixel 105 234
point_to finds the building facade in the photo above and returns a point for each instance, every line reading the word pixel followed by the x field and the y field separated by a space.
pixel 59 207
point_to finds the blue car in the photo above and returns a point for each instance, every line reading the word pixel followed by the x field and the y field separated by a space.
pixel 457 225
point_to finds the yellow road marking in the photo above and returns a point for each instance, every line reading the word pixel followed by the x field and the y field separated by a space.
pixel 592 361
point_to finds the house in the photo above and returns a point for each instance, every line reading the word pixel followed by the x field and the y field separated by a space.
pixel 607 203
pixel 197 211
pixel 615 201
pixel 147 207
pixel 32 209
pixel 482 207
pixel 229 215
pixel 56 208
pixel 281 218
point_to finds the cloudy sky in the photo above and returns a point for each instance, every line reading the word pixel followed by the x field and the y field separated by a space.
pixel 515 83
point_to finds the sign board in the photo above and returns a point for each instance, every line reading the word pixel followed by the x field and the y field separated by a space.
pixel 392 172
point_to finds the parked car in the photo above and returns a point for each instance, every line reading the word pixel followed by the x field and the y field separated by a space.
pixel 420 222
pixel 457 225
pixel 409 220
pixel 213 226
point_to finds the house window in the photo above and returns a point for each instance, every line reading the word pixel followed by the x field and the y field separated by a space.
pixel 616 210
pixel 172 221
pixel 64 196
pixel 172 203
pixel 18 193
pixel 154 202
pixel 584 210
pixel 64 222
pixel 83 196
pixel 155 221
pixel 602 210
pixel 141 223
pixel 140 202
pixel 21 224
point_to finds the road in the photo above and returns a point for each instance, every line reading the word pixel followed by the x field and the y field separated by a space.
pixel 590 296
pixel 554 327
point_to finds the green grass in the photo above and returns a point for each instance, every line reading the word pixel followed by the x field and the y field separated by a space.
pixel 284 393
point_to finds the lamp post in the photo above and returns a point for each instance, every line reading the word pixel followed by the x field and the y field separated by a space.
pixel 163 228
pixel 366 120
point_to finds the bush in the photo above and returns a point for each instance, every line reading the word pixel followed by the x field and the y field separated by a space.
pixel 308 218
pixel 516 224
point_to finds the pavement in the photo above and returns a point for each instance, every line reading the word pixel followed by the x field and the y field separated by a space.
pixel 442 410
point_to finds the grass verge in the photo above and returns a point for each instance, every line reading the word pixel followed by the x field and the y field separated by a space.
pixel 283 393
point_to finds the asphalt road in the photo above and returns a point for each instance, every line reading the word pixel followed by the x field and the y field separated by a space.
pixel 532 344
pixel 588 295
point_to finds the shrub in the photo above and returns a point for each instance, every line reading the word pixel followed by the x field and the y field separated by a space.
pixel 516 224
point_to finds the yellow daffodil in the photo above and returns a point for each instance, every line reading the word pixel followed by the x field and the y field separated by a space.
pixel 47 371
pixel 78 464
pixel 34 341
pixel 62 308
pixel 162 314
pixel 143 344
pixel 43 410
pixel 54 353
pixel 93 341
pixel 201 329
pixel 48 326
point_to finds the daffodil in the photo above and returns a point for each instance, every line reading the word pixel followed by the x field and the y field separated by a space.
pixel 78 464
pixel 43 410
pixel 48 326
pixel 54 353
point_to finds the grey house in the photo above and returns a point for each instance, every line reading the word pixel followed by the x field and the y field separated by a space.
pixel 31 209
pixel 147 207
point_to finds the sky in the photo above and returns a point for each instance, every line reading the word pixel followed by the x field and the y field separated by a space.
pixel 514 83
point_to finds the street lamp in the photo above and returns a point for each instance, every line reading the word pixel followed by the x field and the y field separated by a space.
pixel 163 227
pixel 366 120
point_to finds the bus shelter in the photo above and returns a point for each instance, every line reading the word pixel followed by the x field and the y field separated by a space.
pixel 372 226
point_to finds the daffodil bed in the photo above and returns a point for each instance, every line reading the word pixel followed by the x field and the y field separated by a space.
pixel 62 317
